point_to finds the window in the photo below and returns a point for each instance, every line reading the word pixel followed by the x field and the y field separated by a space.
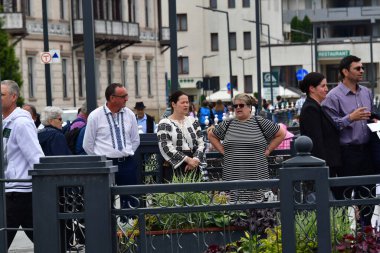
pixel 233 41
pixel 231 3
pixel 213 4
pixel 234 81
pixel 215 83
pixel 287 75
pixel 147 12
pixel 80 78
pixel 116 10
pixel 78 14
pixel 246 3
pixel 181 22
pixel 137 89
pixel 109 71
pixel 64 78
pixel 247 40
pixel 62 9
pixel 183 65
pixel 248 84
pixel 214 42
pixel 99 12
pixel 148 77
pixel 132 10
pixel 124 73
pixel 27 8
pixel 31 77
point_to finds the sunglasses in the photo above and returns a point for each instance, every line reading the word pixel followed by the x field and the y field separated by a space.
pixel 60 119
pixel 238 105
pixel 359 68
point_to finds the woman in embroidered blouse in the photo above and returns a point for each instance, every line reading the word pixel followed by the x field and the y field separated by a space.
pixel 180 138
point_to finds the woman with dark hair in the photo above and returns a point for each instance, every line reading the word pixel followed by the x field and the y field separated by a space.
pixel 317 125
pixel 180 139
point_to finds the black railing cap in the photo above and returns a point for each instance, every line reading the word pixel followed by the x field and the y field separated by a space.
pixel 303 146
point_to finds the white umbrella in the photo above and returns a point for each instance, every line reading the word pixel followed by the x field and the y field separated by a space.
pixel 222 95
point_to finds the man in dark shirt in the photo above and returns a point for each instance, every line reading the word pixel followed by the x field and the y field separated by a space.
pixel 145 121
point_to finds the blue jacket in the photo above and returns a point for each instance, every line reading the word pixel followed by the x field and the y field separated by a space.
pixel 53 142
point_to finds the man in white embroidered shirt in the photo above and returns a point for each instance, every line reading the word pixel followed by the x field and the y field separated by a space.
pixel 112 131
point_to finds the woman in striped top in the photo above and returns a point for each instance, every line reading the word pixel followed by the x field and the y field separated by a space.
pixel 247 141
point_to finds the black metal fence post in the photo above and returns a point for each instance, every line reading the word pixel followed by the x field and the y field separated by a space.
pixel 72 187
pixel 300 168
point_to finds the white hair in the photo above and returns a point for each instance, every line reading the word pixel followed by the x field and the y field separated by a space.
pixel 50 112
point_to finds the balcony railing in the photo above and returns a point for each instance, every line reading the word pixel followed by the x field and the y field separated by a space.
pixel 333 14
pixel 13 22
pixel 116 29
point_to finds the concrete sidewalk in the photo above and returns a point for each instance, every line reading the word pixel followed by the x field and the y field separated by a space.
pixel 21 244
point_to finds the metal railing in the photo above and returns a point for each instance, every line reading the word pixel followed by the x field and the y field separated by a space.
pixel 76 199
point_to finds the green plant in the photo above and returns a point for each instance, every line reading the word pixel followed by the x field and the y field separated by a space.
pixel 272 243
pixel 306 234
pixel 249 243
pixel 9 64
pixel 298 25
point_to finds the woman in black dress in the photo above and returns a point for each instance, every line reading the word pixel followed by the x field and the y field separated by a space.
pixel 317 125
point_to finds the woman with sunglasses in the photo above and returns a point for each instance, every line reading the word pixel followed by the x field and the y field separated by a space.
pixel 247 141
pixel 317 124
pixel 180 139
pixel 51 138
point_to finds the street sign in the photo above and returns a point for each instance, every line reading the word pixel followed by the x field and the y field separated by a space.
pixel 267 93
pixel 267 80
pixel 45 58
pixel 53 56
pixel 301 73
pixel 333 54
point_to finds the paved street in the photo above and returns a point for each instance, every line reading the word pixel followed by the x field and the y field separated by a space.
pixel 21 244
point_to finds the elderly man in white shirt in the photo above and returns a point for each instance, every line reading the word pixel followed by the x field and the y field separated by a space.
pixel 112 131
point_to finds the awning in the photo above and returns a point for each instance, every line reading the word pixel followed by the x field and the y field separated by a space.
pixel 222 95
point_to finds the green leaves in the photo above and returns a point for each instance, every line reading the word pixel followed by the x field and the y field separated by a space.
pixel 9 64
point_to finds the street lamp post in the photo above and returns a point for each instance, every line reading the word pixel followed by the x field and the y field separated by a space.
pixel 203 74
pixel 270 58
pixel 229 46
pixel 243 60
pixel 372 21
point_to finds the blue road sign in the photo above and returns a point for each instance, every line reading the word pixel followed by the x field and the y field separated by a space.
pixel 228 86
pixel 301 73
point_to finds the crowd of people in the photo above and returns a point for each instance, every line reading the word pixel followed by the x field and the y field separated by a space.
pixel 335 121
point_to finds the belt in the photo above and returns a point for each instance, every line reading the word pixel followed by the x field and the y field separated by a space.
pixel 118 159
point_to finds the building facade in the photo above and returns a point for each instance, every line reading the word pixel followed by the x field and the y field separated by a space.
pixel 339 28
pixel 127 50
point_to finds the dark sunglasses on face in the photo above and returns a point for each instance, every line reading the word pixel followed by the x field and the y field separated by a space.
pixel 359 68
pixel 238 105
pixel 60 119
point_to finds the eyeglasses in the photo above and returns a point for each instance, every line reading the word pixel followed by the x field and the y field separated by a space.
pixel 239 105
pixel 122 96
pixel 60 119
pixel 359 68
